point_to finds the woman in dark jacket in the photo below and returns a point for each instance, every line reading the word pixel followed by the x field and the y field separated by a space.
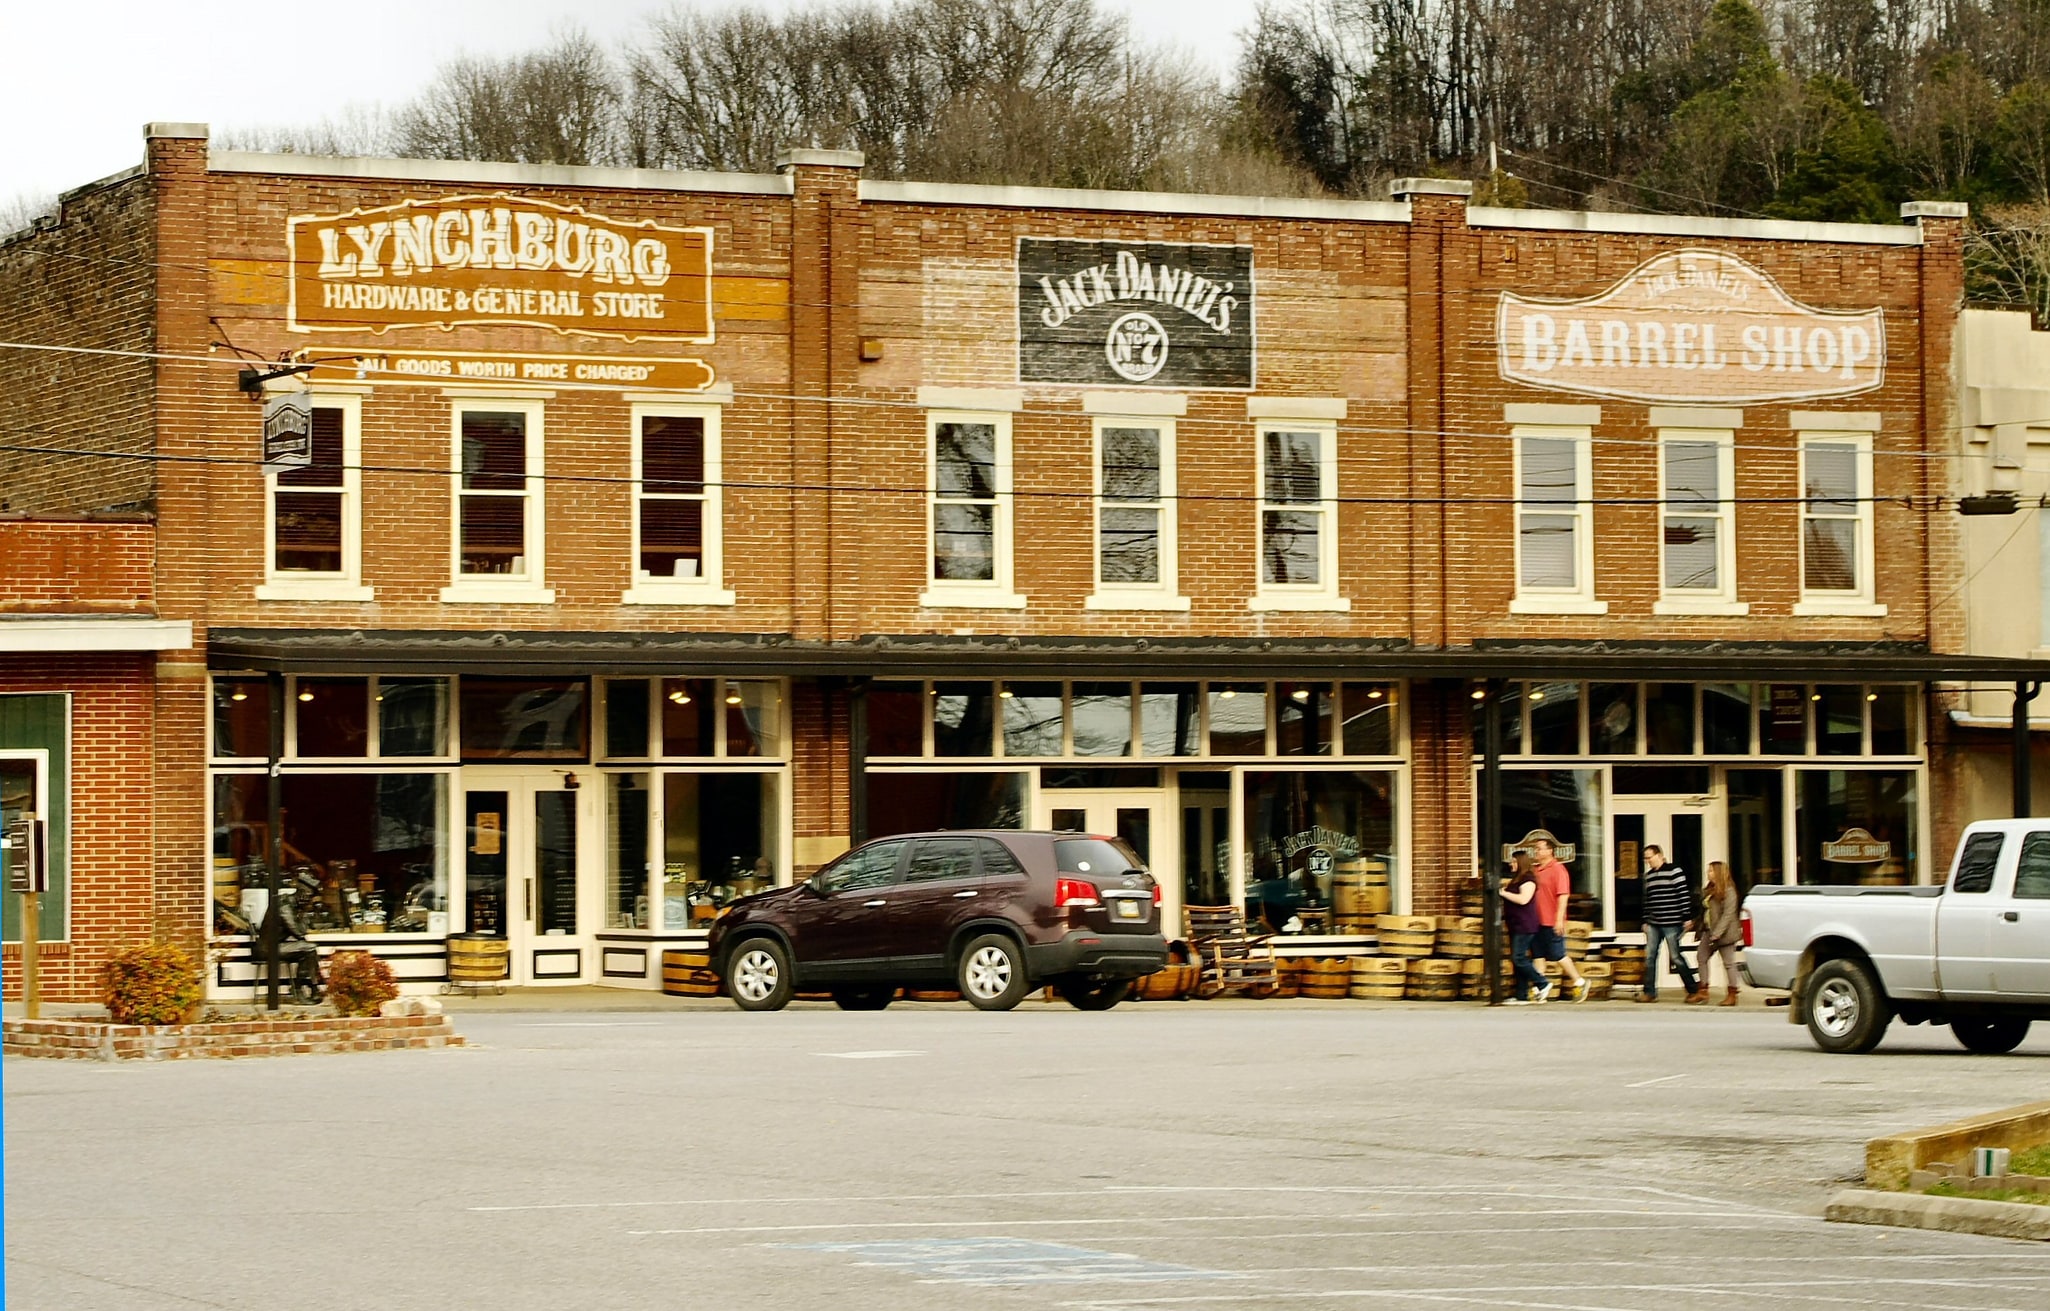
pixel 1520 918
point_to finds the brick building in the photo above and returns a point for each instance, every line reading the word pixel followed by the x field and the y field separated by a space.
pixel 656 535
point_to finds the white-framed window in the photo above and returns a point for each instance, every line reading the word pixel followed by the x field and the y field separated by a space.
pixel 968 510
pixel 1298 516
pixel 678 542
pixel 497 544
pixel 1836 525
pixel 1697 540
pixel 313 515
pixel 1554 522
pixel 1135 515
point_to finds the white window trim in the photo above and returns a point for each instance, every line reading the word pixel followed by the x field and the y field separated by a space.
pixel 1320 596
pixel 1861 602
pixel 1558 601
pixel 707 588
pixel 971 594
pixel 1720 600
pixel 529 589
pixel 347 583
pixel 1165 594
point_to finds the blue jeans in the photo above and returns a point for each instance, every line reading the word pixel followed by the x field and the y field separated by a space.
pixel 1527 976
pixel 1667 935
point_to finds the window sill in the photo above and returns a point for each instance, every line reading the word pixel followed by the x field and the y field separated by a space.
pixel 497 594
pixel 1557 605
pixel 1134 601
pixel 1683 606
pixel 1324 602
pixel 657 594
pixel 988 599
pixel 1844 609
pixel 315 591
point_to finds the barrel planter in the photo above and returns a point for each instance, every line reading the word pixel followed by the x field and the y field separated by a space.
pixel 1406 935
pixel 1626 964
pixel 478 960
pixel 1288 975
pixel 1173 980
pixel 1379 978
pixel 1359 894
pixel 688 974
pixel 1433 980
pixel 1327 977
pixel 1459 936
pixel 1473 978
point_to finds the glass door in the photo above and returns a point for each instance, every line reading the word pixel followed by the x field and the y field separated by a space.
pixel 1140 818
pixel 529 865
pixel 1675 826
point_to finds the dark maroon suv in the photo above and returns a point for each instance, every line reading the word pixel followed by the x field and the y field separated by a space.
pixel 994 913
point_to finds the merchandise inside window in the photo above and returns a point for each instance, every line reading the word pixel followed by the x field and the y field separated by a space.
pixel 1320 849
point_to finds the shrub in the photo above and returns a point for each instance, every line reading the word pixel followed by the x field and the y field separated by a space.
pixel 152 984
pixel 358 983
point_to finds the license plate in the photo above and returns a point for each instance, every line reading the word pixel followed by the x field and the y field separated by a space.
pixel 1129 910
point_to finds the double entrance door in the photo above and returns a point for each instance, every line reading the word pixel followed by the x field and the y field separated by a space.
pixel 1675 825
pixel 528 837
pixel 1139 816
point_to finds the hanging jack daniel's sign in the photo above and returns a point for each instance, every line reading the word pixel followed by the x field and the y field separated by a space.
pixel 1694 326
pixel 1135 314
pixel 498 260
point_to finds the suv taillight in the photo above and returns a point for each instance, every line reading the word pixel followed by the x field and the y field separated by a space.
pixel 1744 918
pixel 1156 894
pixel 1074 892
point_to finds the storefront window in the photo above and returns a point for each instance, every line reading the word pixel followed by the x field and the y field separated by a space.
pixel 1855 826
pixel 1508 707
pixel 1032 719
pixel 1568 804
pixel 963 719
pixel 1612 719
pixel 1303 714
pixel 896 719
pixel 719 841
pixel 524 719
pixel 1669 719
pixel 1312 837
pixel 918 803
pixel 1726 719
pixel 689 717
pixel 1103 719
pixel 1238 719
pixel 1783 720
pixel 242 717
pixel 1206 838
pixel 412 717
pixel 1554 718
pixel 1893 719
pixel 754 718
pixel 1839 719
pixel 365 852
pixel 626 718
pixel 1369 728
pixel 1757 821
pixel 626 851
pixel 331 717
pixel 1170 719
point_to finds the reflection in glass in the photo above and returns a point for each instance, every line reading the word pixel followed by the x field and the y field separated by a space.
pixel 524 719
pixel 963 719
pixel 626 851
pixel 331 716
pixel 1509 708
pixel 1554 718
pixel 1314 837
pixel 1831 805
pixel 242 717
pixel 1567 803
pixel 1303 719
pixel 626 718
pixel 1369 728
pixel 1032 719
pixel 1612 718
pixel 1783 720
pixel 1757 808
pixel 1669 719
pixel 689 709
pixel 754 717
pixel 555 861
pixel 914 803
pixel 1726 719
pixel 1169 719
pixel 485 861
pixel 412 716
pixel 896 719
pixel 367 851
pixel 1238 719
pixel 1103 719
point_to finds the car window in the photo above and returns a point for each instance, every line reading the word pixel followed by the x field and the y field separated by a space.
pixel 1975 863
pixel 873 866
pixel 934 859
pixel 2032 873
pixel 1094 856
pixel 998 862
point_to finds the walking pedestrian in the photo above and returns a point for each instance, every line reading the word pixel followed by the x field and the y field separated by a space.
pixel 1722 930
pixel 1554 887
pixel 1668 912
pixel 1520 918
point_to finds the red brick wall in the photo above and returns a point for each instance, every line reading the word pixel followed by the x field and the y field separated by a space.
pixel 76 566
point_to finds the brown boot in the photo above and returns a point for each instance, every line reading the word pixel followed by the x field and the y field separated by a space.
pixel 1729 998
pixel 1697 997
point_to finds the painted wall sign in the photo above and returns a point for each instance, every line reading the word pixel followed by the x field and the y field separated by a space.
pixel 498 259
pixel 288 431
pixel 441 368
pixel 1691 326
pixel 1135 314
pixel 1857 847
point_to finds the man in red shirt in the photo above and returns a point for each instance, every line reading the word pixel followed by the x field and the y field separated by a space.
pixel 1553 887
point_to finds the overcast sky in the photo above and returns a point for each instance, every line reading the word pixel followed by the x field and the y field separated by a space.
pixel 83 78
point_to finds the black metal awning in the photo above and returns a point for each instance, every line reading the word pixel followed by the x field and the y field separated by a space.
pixel 417 651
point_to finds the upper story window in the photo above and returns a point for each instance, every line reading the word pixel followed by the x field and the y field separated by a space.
pixel 1697 543
pixel 314 514
pixel 1836 524
pixel 677 504
pixel 1298 517
pixel 1135 516
pixel 969 510
pixel 1554 522
pixel 499 503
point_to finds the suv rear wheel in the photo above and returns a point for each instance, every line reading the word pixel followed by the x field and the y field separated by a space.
pixel 758 975
pixel 1101 995
pixel 992 973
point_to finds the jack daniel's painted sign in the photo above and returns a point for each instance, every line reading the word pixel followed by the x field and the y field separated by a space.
pixel 1135 314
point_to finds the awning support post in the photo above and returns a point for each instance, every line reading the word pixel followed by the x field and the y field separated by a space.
pixel 2024 791
pixel 1491 837
pixel 274 841
pixel 857 761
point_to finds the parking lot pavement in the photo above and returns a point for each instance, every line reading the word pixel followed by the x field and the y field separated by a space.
pixel 1274 1155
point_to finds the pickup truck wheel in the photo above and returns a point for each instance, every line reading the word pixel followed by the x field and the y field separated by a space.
pixel 1990 1037
pixel 1846 1010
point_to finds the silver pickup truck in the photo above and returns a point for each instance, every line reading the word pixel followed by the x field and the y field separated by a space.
pixel 1973 953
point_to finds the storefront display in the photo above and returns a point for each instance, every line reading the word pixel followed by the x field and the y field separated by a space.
pixel 1312 838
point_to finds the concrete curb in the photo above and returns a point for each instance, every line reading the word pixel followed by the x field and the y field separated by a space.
pixel 1958 1215
pixel 1889 1161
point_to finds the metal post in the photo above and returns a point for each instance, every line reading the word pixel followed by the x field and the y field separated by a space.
pixel 2024 793
pixel 274 856
pixel 1491 837
pixel 857 761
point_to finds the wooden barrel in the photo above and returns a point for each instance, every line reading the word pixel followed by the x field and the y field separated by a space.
pixel 1579 934
pixel 1359 893
pixel 1328 976
pixel 1626 964
pixel 1406 935
pixel 1459 936
pixel 1433 980
pixel 1473 979
pixel 1288 975
pixel 1379 978
pixel 477 958
pixel 688 974
pixel 1599 979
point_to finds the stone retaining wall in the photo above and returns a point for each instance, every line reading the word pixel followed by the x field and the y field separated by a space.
pixel 97 1040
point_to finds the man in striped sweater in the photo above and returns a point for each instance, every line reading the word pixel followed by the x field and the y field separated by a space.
pixel 1668 912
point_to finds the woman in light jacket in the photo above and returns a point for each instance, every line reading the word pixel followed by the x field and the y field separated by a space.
pixel 1721 931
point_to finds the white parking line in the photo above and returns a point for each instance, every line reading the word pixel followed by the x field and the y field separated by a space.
pixel 1646 1083
pixel 1495 1295
pixel 867 1056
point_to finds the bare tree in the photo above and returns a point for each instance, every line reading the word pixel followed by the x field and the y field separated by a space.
pixel 555 105
pixel 359 129
pixel 24 208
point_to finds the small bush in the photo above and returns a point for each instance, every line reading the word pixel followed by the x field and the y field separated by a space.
pixel 358 983
pixel 152 984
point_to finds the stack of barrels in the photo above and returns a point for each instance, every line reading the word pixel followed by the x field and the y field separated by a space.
pixel 1432 979
pixel 1359 894
pixel 1600 978
pixel 1579 937
pixel 1380 978
pixel 1326 976
pixel 1460 937
pixel 1409 936
pixel 1626 964
pixel 688 974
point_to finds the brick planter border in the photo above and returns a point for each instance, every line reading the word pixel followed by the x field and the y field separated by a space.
pixel 97 1040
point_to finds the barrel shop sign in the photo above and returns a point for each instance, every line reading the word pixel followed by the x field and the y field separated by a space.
pixel 1135 314
pixel 1693 326
pixel 499 260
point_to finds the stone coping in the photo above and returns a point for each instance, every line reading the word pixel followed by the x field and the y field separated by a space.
pixel 1963 1215
pixel 98 1040
pixel 1890 1162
